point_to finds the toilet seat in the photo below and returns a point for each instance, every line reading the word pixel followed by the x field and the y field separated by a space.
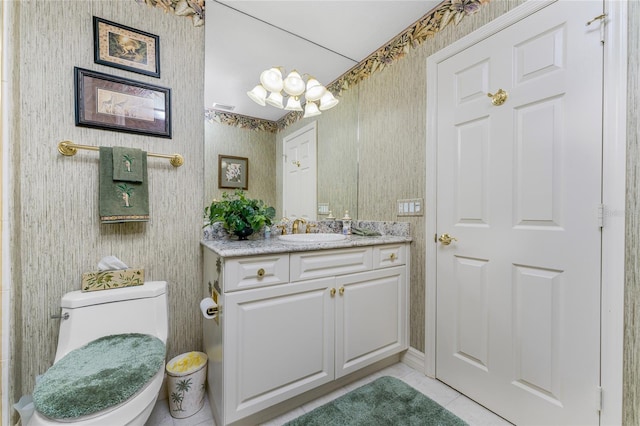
pixel 99 377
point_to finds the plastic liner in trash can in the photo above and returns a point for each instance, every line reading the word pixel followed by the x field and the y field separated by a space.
pixel 186 377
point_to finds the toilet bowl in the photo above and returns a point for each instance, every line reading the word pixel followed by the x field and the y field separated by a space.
pixel 87 320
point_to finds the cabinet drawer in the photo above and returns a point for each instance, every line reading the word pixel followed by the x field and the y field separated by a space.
pixel 389 255
pixel 329 263
pixel 256 271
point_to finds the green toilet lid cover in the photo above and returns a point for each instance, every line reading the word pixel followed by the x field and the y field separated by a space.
pixel 99 375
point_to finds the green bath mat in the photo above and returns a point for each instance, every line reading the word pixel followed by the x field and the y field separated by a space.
pixel 384 402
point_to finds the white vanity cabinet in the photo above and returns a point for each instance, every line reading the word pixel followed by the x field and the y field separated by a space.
pixel 291 322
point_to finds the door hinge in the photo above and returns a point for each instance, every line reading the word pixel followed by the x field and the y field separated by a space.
pixel 599 398
pixel 601 215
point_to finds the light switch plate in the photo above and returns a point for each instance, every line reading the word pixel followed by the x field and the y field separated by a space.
pixel 323 208
pixel 410 207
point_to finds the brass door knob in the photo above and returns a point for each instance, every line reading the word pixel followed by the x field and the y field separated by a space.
pixel 446 239
pixel 499 97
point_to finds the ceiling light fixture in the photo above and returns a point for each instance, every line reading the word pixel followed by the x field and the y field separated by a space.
pixel 273 90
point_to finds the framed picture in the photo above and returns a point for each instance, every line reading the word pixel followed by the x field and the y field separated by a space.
pixel 114 103
pixel 233 172
pixel 123 47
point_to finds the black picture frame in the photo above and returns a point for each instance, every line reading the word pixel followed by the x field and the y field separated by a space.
pixel 108 102
pixel 127 48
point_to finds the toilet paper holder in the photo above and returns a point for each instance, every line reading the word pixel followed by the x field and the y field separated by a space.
pixel 214 310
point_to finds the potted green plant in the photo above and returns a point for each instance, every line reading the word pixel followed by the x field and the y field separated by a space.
pixel 239 215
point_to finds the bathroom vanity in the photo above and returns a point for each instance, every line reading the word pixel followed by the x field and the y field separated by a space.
pixel 294 316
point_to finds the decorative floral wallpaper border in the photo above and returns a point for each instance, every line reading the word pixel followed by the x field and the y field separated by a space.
pixel 427 27
pixel 193 9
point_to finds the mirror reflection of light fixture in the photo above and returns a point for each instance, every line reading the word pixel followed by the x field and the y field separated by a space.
pixel 273 90
pixel 293 104
pixel 311 109
pixel 327 101
pixel 258 94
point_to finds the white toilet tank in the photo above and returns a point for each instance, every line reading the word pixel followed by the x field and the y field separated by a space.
pixel 139 309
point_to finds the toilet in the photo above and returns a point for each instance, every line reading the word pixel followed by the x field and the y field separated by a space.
pixel 133 316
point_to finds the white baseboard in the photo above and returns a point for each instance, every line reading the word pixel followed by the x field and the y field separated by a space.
pixel 414 359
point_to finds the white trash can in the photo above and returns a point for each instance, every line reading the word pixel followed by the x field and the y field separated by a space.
pixel 186 377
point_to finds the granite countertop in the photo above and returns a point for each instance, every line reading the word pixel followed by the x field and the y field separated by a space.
pixel 235 248
pixel 217 240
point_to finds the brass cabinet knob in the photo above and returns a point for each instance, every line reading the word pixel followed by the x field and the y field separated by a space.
pixel 260 272
pixel 332 292
pixel 341 291
pixel 393 257
pixel 446 239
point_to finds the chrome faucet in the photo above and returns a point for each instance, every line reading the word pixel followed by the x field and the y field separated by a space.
pixel 296 223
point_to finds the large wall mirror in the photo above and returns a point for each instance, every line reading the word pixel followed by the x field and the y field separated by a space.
pixel 336 129
pixel 245 38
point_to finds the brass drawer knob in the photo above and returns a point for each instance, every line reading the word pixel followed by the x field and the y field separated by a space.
pixel 260 273
pixel 393 257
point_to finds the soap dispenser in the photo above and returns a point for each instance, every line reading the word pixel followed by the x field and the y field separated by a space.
pixel 346 223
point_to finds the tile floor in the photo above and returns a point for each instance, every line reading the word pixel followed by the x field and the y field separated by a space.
pixel 455 402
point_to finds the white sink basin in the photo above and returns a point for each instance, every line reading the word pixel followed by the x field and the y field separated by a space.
pixel 311 238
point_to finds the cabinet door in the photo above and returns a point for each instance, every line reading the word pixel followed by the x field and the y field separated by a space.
pixel 371 318
pixel 278 344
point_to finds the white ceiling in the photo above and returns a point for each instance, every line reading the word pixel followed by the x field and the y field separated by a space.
pixel 324 38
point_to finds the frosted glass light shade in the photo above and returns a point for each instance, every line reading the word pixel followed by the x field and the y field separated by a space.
pixel 275 99
pixel 258 95
pixel 327 101
pixel 315 90
pixel 311 110
pixel 294 84
pixel 271 80
pixel 293 104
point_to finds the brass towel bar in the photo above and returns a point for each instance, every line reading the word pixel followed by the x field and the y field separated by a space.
pixel 69 148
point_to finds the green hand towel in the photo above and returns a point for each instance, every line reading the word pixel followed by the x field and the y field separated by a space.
pixel 364 232
pixel 122 201
pixel 127 164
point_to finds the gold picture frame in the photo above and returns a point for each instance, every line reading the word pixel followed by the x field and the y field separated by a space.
pixel 126 48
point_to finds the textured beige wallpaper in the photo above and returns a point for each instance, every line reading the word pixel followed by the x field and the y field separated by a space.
pixel 56 234
pixel 260 149
pixel 631 373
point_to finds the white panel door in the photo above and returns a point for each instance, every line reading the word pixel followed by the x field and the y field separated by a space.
pixel 518 186
pixel 300 171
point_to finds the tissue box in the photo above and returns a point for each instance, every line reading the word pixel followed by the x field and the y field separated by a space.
pixel 105 280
